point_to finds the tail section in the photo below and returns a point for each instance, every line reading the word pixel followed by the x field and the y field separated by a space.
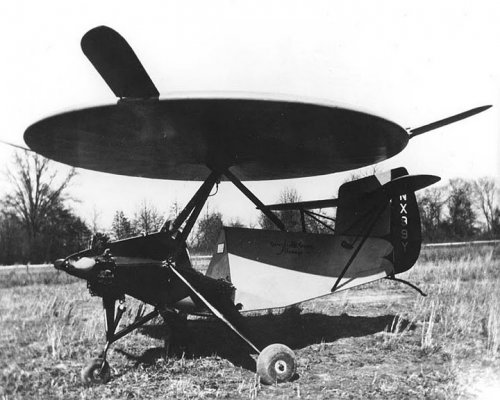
pixel 377 235
pixel 406 234
pixel 384 206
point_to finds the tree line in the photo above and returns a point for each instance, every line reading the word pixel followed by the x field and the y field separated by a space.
pixel 460 210
pixel 37 223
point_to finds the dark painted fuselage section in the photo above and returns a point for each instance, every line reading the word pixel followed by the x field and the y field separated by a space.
pixel 139 267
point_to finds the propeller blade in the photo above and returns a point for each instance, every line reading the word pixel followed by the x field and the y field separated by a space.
pixel 438 124
pixel 117 63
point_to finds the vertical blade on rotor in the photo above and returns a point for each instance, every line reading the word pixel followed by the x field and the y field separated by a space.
pixel 117 63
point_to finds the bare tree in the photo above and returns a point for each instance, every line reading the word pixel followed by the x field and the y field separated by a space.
pixel 37 202
pixel 36 192
pixel 175 210
pixel 485 192
pixel 121 226
pixel 290 218
pixel 207 232
pixel 265 223
pixel 236 223
pixel 462 219
pixel 147 219
pixel 362 173
pixel 431 203
pixel 95 217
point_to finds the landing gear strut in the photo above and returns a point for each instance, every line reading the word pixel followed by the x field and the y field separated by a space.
pixel 276 363
pixel 98 370
pixel 176 332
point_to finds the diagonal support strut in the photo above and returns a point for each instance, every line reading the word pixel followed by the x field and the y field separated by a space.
pixel 261 206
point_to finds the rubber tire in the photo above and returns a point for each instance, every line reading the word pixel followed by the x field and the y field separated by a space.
pixel 90 373
pixel 276 363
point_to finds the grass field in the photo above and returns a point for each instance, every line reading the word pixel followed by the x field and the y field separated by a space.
pixel 379 341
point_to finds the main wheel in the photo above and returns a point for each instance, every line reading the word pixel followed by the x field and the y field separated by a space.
pixel 96 372
pixel 276 363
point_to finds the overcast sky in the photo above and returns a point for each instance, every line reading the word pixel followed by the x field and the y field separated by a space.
pixel 411 62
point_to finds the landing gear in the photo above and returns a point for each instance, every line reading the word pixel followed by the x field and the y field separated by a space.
pixel 97 371
pixel 177 335
pixel 276 363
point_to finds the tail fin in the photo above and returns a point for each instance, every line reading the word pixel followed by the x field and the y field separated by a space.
pixel 384 206
pixel 406 233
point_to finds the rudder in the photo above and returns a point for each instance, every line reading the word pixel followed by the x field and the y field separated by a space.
pixel 384 206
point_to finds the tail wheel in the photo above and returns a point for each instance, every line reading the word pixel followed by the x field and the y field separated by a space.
pixel 97 371
pixel 276 363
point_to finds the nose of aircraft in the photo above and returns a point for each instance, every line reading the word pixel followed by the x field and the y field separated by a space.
pixel 83 264
pixel 59 264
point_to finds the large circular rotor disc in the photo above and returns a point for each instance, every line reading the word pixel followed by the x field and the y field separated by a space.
pixel 178 138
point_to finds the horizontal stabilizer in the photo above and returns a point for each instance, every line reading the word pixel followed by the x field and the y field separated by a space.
pixel 384 206
pixel 117 63
pixel 404 184
pixel 304 205
pixel 438 124
pixel 408 184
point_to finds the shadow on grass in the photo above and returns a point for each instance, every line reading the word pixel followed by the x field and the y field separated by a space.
pixel 207 337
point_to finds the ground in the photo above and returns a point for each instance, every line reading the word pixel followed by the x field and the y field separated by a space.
pixel 382 340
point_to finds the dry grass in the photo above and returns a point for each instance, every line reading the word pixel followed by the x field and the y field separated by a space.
pixel 26 276
pixel 463 305
pixel 380 341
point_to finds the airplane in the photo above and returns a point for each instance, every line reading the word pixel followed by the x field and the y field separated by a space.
pixel 235 138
